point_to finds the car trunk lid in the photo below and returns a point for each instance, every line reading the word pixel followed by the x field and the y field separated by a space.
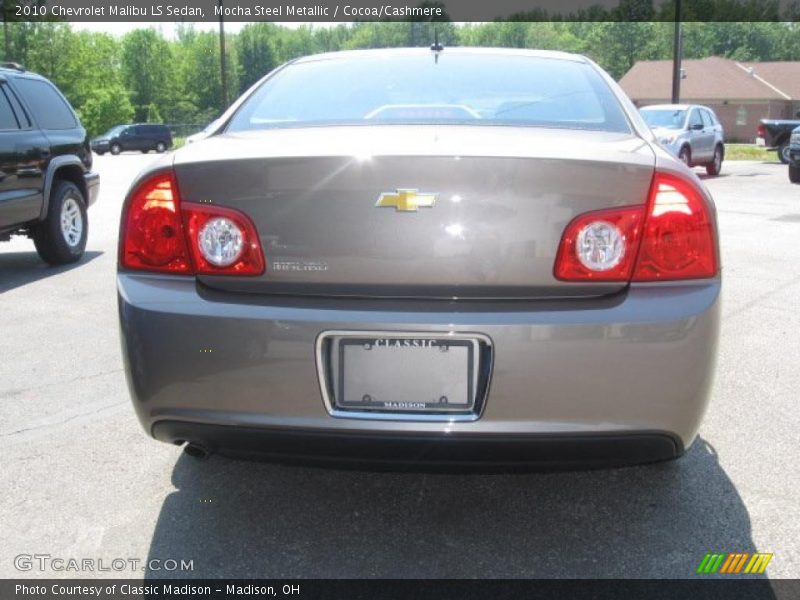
pixel 405 211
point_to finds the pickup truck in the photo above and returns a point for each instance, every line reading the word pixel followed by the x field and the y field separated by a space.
pixel 774 134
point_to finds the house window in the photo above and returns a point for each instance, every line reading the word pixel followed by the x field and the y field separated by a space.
pixel 741 116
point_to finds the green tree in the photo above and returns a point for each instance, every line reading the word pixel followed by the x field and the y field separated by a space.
pixel 502 34
pixel 617 45
pixel 330 39
pixel 202 82
pixel 153 116
pixel 552 36
pixel 147 70
pixel 106 108
pixel 396 34
pixel 254 49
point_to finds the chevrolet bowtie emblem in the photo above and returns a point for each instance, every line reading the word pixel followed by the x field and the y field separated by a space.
pixel 407 199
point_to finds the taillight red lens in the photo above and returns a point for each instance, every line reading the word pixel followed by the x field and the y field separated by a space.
pixel 678 240
pixel 670 238
pixel 600 245
pixel 161 233
pixel 761 131
pixel 152 237
pixel 247 260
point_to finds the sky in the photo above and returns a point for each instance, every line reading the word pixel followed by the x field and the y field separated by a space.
pixel 168 29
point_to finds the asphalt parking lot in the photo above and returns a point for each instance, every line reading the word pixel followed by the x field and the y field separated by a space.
pixel 80 479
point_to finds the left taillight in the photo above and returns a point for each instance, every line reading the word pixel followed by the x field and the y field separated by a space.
pixel 151 236
pixel 223 241
pixel 162 233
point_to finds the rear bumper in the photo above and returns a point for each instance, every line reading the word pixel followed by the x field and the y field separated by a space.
pixel 794 156
pixel 367 449
pixel 617 380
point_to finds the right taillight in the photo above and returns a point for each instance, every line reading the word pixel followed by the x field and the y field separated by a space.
pixel 678 240
pixel 671 237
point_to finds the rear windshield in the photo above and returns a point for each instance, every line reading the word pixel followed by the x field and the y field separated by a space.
pixel 668 118
pixel 421 89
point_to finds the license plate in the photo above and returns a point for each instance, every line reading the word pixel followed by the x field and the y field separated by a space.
pixel 406 374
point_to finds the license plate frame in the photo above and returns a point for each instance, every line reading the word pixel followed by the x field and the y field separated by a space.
pixel 335 349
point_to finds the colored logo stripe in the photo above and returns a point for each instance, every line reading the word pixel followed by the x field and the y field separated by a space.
pixel 758 563
pixel 710 563
pixel 733 563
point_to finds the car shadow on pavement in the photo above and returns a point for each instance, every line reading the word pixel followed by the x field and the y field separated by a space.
pixel 245 519
pixel 21 268
pixel 704 176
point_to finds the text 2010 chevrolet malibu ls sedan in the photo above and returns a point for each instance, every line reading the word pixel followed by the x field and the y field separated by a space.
pixel 475 256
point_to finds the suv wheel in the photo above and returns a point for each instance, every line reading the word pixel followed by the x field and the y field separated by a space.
pixel 161 147
pixel 783 153
pixel 115 149
pixel 715 166
pixel 685 155
pixel 61 238
pixel 794 173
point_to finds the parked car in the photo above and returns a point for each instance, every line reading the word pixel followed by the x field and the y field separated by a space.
pixel 140 136
pixel 794 156
pixel 475 255
pixel 691 132
pixel 46 178
pixel 774 135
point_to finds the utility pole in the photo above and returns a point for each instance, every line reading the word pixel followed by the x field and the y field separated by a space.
pixel 677 54
pixel 6 45
pixel 223 71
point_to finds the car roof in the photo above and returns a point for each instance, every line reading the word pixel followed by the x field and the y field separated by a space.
pixel 673 107
pixel 6 71
pixel 459 51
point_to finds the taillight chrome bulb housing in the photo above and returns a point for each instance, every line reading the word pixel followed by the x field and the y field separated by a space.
pixel 220 241
pixel 600 246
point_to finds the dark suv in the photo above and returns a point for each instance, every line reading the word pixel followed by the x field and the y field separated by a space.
pixel 139 136
pixel 46 182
